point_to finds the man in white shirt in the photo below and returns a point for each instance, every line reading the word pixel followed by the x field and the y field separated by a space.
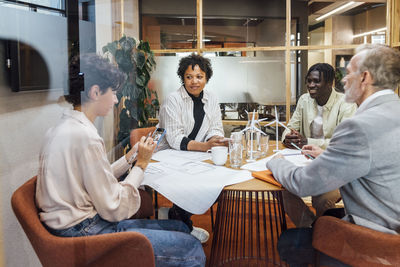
pixel 317 114
pixel 78 191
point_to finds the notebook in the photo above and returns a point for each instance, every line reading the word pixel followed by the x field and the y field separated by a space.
pixel 267 177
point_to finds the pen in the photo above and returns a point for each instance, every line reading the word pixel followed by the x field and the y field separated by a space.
pixel 148 135
pixel 308 156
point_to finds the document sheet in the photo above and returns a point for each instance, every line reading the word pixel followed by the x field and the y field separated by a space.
pixel 292 155
pixel 184 179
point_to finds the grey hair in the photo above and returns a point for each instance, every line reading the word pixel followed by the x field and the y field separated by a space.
pixel 382 62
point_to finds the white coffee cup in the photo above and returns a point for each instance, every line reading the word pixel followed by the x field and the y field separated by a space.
pixel 219 155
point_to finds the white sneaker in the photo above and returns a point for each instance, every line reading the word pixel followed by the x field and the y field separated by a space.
pixel 163 213
pixel 200 234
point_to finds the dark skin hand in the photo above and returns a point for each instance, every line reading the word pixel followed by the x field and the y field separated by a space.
pixel 296 138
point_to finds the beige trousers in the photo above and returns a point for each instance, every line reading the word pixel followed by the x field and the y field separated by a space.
pixel 300 213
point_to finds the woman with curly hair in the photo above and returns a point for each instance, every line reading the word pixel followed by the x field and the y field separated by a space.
pixel 192 117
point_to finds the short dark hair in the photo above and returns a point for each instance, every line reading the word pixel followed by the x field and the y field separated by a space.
pixel 193 60
pixel 325 69
pixel 88 70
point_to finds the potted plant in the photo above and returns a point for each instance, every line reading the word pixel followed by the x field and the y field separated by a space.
pixel 136 101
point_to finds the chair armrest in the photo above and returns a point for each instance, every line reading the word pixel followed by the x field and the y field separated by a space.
pixel 115 249
pixel 355 245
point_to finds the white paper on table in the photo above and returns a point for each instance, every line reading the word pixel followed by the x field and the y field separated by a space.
pixel 179 157
pixel 193 186
pixel 290 152
pixel 292 155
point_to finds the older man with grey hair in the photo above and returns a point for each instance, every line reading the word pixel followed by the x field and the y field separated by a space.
pixel 362 159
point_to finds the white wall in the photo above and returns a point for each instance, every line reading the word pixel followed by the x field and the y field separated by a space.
pixel 24 119
pixel 236 79
pixel 26 116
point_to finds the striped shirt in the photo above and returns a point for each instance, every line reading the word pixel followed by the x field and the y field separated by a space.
pixel 176 116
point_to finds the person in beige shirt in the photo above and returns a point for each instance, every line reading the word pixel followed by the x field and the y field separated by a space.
pixel 78 191
pixel 317 114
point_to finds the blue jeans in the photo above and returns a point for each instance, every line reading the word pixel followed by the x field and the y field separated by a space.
pixel 295 247
pixel 171 241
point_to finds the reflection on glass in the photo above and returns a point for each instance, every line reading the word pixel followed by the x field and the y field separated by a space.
pixel 259 79
pixel 169 32
pixel 233 24
pixel 338 22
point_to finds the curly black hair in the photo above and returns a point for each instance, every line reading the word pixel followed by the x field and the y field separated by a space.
pixel 88 70
pixel 193 60
pixel 325 69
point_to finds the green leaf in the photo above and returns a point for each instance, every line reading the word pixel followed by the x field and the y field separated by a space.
pixel 145 46
pixel 134 112
pixel 140 59
pixel 129 104
pixel 128 90
pixel 111 47
pixel 141 80
pixel 137 63
pixel 155 103
pixel 127 44
pixel 151 60
pixel 123 61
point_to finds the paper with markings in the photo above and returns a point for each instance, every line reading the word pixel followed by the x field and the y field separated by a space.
pixel 292 155
pixel 180 157
pixel 193 186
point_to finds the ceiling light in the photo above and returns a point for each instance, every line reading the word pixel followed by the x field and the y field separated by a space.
pixel 371 32
pixel 335 11
pixel 195 40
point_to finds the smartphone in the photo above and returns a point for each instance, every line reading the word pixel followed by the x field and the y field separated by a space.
pixel 158 135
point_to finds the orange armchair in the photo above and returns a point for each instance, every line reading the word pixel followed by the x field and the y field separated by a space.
pixel 355 245
pixel 137 133
pixel 116 249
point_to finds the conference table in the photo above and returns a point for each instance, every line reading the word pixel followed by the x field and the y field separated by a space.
pixel 249 219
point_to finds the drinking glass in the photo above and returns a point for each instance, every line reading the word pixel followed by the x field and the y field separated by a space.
pixel 235 149
pixel 263 145
pixel 252 145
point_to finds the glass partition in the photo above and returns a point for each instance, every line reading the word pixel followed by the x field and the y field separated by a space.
pixel 233 24
pixel 340 22
pixel 171 26
pixel 243 81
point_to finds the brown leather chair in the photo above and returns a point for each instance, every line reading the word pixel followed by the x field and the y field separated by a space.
pixel 137 133
pixel 355 245
pixel 116 249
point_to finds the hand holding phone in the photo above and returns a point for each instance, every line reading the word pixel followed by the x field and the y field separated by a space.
pixel 158 135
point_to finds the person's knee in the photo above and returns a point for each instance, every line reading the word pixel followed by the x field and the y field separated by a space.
pixel 324 202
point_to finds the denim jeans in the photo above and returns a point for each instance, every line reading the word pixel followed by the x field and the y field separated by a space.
pixel 177 213
pixel 295 247
pixel 171 241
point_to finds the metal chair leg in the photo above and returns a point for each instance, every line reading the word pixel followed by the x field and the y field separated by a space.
pixel 212 218
pixel 155 204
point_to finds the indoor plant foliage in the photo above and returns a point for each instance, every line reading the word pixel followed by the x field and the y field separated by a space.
pixel 137 103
